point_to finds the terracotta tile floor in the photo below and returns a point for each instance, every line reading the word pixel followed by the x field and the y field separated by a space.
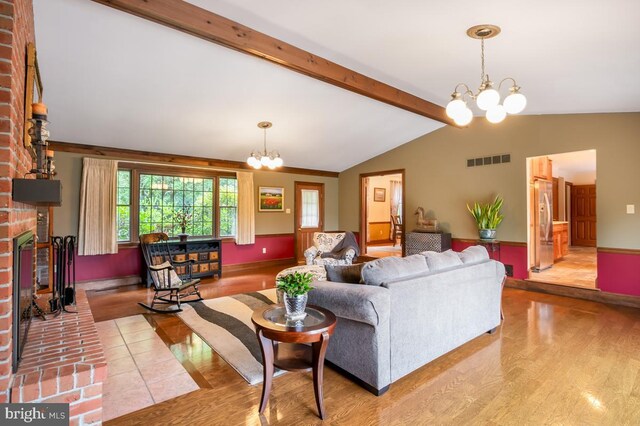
pixel 578 269
pixel 142 369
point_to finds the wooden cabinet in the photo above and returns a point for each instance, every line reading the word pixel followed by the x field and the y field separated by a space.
pixel 206 254
pixel 541 168
pixel 560 240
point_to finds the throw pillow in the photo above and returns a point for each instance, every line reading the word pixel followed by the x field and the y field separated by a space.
pixel 380 271
pixel 473 254
pixel 351 274
pixel 438 261
pixel 160 277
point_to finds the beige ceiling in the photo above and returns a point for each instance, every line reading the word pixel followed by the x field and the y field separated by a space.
pixel 117 80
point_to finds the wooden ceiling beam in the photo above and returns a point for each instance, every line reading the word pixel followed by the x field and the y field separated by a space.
pixel 202 23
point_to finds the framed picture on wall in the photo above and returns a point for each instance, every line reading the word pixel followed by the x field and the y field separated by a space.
pixel 270 199
pixel 379 194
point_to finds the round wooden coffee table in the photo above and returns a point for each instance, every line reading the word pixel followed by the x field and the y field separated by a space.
pixel 282 344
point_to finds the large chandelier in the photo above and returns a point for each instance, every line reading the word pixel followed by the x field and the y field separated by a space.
pixel 487 98
pixel 272 159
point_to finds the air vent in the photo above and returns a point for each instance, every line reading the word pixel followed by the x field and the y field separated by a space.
pixel 486 161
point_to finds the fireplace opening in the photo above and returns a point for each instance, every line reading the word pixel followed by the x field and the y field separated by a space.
pixel 23 280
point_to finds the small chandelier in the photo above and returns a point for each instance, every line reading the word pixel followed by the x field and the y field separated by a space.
pixel 272 159
pixel 487 98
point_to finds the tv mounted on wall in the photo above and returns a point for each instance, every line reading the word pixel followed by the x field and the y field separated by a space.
pixel 23 270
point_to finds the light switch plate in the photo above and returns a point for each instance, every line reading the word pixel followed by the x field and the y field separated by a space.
pixel 631 209
pixel 288 211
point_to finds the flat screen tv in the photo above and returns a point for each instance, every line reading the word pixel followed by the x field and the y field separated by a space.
pixel 23 269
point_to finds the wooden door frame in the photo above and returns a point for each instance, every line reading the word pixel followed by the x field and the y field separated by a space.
pixel 296 224
pixel 363 206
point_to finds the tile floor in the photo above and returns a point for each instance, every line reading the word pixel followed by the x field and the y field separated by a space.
pixel 384 251
pixel 576 269
pixel 142 369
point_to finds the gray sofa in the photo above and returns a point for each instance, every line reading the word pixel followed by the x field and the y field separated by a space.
pixel 411 313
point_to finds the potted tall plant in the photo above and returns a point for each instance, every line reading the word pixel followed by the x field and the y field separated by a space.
pixel 295 288
pixel 487 217
pixel 182 217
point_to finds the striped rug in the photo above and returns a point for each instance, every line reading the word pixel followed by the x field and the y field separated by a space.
pixel 225 324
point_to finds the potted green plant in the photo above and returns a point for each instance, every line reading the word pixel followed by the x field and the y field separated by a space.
pixel 487 217
pixel 295 288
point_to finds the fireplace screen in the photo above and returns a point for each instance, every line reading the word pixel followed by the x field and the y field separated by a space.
pixel 23 267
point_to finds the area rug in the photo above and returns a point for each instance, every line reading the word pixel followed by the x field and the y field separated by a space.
pixel 225 324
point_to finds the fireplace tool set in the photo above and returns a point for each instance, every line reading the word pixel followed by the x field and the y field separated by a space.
pixel 64 284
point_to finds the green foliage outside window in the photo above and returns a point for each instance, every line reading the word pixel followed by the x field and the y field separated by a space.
pixel 164 200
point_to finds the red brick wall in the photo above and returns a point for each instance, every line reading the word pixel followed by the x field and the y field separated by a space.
pixel 16 29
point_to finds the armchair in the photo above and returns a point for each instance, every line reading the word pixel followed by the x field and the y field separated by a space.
pixel 332 248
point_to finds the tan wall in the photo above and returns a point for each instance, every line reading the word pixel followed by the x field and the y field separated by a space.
pixel 69 168
pixel 438 179
pixel 379 211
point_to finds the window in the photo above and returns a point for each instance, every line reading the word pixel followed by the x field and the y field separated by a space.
pixel 164 198
pixel 228 206
pixel 310 208
pixel 207 203
pixel 124 205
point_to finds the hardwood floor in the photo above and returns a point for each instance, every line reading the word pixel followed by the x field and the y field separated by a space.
pixel 555 360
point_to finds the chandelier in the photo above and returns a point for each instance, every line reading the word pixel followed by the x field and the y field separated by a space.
pixel 272 159
pixel 487 98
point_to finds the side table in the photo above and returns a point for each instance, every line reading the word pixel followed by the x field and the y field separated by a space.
pixel 274 330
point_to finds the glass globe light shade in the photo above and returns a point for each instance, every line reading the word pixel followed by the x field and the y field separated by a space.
pixel 264 160
pixel 515 103
pixel 456 107
pixel 257 164
pixel 272 164
pixel 488 98
pixel 496 114
pixel 253 162
pixel 464 117
pixel 278 162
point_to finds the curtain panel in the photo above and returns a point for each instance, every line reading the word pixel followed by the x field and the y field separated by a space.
pixel 97 233
pixel 246 231
pixel 396 197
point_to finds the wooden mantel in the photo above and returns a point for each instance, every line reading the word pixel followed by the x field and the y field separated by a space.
pixel 202 23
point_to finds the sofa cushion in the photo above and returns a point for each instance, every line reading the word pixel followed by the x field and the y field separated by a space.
pixel 345 273
pixel 386 269
pixel 474 254
pixel 438 261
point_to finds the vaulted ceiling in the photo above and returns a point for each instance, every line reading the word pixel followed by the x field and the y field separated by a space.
pixel 117 80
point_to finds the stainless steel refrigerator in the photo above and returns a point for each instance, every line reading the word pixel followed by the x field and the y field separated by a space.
pixel 543 225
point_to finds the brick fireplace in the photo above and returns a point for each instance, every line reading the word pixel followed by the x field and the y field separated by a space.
pixel 63 360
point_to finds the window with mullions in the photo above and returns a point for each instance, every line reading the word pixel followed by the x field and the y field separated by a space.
pixel 164 198
pixel 124 205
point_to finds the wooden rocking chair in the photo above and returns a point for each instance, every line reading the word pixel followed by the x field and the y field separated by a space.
pixel 169 286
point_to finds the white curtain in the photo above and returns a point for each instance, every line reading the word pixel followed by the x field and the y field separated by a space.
pixel 97 233
pixel 246 233
pixel 396 197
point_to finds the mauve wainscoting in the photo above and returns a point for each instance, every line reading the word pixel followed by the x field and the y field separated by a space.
pixel 128 261
pixel 619 272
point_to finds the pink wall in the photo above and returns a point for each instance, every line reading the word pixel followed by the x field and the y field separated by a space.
pixel 619 273
pixel 129 261
pixel 278 247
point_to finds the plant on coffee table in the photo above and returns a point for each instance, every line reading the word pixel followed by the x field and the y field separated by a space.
pixel 295 287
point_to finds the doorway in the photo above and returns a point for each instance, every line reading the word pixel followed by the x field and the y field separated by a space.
pixel 382 213
pixel 309 215
pixel 562 219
